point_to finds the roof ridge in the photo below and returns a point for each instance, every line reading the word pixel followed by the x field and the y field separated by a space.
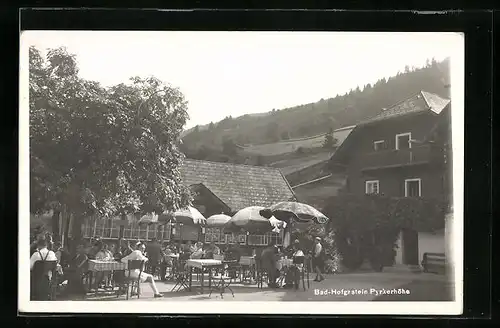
pixel 426 94
pixel 232 164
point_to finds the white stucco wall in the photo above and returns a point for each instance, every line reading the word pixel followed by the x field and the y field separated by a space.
pixel 399 250
pixel 430 243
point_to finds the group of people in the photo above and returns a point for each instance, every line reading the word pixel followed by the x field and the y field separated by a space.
pixel 269 261
pixel 72 266
pixel 68 268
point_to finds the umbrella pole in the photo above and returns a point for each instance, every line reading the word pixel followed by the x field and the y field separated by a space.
pixel 180 232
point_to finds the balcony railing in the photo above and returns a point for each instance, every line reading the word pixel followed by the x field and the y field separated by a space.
pixel 422 154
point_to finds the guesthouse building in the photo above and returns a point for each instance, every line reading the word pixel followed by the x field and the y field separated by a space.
pixel 404 151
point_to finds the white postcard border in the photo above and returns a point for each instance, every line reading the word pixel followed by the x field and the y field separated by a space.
pixel 455 307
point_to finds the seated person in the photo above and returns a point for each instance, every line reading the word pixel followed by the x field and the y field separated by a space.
pixel 103 255
pixel 212 250
pixel 166 261
pixel 39 279
pixel 234 253
pixel 198 251
pixel 137 254
pixel 189 247
pixel 77 268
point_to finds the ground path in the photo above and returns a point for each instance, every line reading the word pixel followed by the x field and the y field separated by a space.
pixel 366 286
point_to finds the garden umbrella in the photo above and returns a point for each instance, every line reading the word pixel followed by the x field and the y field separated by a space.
pixel 297 211
pixel 218 220
pixel 187 216
pixel 249 220
pixel 149 218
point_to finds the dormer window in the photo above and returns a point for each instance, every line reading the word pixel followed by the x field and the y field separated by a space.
pixel 403 140
pixel 378 145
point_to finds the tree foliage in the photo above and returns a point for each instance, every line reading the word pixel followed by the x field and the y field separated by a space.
pixel 104 151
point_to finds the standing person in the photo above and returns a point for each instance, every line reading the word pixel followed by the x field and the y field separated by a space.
pixel 317 259
pixel 268 263
pixel 154 252
pixel 137 254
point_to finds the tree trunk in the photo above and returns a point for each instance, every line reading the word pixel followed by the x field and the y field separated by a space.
pixel 55 225
pixel 76 230
pixel 67 222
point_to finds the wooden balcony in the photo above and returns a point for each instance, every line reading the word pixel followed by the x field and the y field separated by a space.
pixel 417 155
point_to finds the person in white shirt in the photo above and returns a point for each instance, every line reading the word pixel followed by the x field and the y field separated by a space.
pixel 102 277
pixel 42 253
pixel 317 260
pixel 39 285
pixel 137 254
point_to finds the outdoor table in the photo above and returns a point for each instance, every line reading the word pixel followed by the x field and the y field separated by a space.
pixel 103 266
pixel 202 264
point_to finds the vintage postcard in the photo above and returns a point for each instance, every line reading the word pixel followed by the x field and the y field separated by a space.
pixel 275 172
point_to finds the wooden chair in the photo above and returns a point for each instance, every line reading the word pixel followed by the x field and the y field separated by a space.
pixel 44 281
pixel 303 272
pixel 130 282
pixel 181 274
pixel 222 280
pixel 261 274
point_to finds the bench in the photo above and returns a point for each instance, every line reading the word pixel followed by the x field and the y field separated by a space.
pixel 434 262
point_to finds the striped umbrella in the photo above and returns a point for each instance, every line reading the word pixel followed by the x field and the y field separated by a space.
pixel 299 212
pixel 249 220
pixel 218 220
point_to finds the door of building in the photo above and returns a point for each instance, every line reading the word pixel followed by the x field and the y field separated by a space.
pixel 410 247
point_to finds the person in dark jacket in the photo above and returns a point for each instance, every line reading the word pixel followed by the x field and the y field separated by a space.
pixel 267 260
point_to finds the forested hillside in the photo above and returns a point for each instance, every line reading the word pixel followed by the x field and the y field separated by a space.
pixel 220 141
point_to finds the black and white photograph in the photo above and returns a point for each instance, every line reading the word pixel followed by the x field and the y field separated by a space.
pixel 241 172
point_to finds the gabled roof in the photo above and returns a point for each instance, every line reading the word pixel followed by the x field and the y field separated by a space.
pixel 420 102
pixel 237 185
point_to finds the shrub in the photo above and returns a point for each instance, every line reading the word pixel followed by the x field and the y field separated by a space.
pixel 368 226
pixel 306 237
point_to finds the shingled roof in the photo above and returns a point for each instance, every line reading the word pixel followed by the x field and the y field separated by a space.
pixel 422 101
pixel 238 186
